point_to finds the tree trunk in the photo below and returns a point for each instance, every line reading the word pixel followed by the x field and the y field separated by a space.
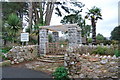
pixel 30 16
pixel 49 11
pixel 93 31
pixel 36 13
pixel 41 14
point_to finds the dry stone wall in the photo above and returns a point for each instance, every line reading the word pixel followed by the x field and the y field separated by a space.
pixel 91 66
pixel 22 53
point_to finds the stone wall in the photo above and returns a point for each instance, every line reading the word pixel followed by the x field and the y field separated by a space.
pixel 22 53
pixel 91 66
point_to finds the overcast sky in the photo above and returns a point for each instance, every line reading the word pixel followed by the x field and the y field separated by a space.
pixel 109 10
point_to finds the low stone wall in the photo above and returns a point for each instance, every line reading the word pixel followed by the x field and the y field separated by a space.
pixel 91 66
pixel 22 53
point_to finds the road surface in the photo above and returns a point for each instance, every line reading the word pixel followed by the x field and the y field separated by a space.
pixel 14 73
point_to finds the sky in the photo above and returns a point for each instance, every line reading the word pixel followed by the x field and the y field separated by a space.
pixel 109 10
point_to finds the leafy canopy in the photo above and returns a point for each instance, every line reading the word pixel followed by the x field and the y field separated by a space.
pixel 95 13
pixel 115 34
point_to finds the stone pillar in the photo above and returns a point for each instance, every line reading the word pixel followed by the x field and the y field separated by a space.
pixel 79 38
pixel 55 36
pixel 74 35
pixel 43 40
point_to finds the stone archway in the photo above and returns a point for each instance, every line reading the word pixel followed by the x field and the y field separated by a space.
pixel 74 35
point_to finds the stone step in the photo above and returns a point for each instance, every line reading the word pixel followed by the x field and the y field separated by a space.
pixel 54 56
pixel 51 61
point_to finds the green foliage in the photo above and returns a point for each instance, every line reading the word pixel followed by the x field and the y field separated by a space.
pixel 32 40
pixel 100 37
pixel 72 18
pixel 61 73
pixel 105 42
pixel 115 34
pixel 94 14
pixel 77 18
pixel 110 51
pixel 6 49
pixel 13 7
pixel 3 57
pixel 117 53
pixel 104 50
pixel 89 40
pixel 100 50
pixel 13 21
pixel 114 42
pixel 50 39
pixel 86 29
pixel 13 27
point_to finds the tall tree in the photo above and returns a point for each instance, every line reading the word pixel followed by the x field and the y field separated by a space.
pixel 30 9
pixel 115 34
pixel 94 14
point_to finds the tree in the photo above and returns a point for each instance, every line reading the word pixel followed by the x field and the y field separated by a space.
pixel 100 37
pixel 38 12
pixel 86 29
pixel 77 18
pixel 30 15
pixel 94 14
pixel 115 34
pixel 42 11
pixel 71 19
pixel 14 24
pixel 20 8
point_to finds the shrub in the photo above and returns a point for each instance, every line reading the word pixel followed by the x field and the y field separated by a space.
pixel 110 51
pixel 89 40
pixel 3 57
pixel 100 50
pixel 6 49
pixel 117 53
pixel 61 73
pixel 105 42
